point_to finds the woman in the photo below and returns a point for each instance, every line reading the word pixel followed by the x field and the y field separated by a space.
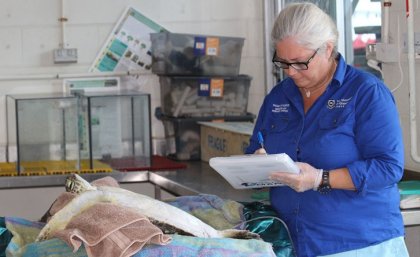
pixel 342 128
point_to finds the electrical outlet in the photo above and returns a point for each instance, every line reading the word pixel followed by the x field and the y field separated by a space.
pixel 65 55
pixel 371 52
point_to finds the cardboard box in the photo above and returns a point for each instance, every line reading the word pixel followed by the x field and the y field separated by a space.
pixel 224 138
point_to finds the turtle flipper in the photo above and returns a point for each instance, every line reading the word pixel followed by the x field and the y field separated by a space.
pixel 239 234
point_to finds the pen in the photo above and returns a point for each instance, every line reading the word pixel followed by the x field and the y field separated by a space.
pixel 261 140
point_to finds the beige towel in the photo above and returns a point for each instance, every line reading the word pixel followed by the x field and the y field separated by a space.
pixel 105 181
pixel 107 230
pixel 62 200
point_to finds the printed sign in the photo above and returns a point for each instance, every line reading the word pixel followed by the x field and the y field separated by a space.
pixel 212 46
pixel 199 46
pixel 216 87
pixel 128 47
pixel 204 87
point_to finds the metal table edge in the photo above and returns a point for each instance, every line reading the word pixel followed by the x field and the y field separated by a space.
pixel 410 216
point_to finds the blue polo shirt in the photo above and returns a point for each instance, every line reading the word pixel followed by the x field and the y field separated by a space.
pixel 353 124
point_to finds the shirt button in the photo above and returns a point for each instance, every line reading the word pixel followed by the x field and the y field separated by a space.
pixel 295 211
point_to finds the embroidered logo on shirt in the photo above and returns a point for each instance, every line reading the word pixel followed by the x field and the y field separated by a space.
pixel 330 104
pixel 341 103
pixel 280 108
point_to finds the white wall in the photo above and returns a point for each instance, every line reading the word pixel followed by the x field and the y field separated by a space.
pixel 30 30
pixel 395 78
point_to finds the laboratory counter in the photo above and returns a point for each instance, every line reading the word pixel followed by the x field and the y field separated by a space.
pixel 197 178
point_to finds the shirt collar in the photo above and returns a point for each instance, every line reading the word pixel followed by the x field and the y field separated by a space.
pixel 292 91
pixel 340 71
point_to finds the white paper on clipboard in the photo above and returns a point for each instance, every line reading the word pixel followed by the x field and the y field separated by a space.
pixel 252 171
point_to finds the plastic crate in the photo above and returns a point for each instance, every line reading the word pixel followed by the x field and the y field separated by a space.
pixel 186 54
pixel 204 96
pixel 183 134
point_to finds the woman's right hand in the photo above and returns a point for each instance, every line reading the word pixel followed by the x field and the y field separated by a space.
pixel 260 151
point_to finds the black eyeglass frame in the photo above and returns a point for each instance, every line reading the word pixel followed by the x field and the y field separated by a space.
pixel 294 65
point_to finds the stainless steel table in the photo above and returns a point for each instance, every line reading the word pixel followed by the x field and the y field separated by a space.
pixel 197 178
pixel 59 180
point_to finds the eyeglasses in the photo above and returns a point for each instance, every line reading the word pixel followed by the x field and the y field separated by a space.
pixel 294 65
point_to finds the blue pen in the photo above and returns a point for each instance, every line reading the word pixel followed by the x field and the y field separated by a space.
pixel 261 140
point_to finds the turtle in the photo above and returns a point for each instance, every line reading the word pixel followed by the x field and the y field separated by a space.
pixel 170 219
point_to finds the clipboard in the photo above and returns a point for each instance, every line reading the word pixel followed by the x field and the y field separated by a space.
pixel 253 170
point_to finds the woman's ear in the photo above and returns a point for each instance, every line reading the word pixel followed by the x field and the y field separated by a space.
pixel 329 49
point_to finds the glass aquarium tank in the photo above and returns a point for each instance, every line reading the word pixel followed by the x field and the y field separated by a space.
pixel 79 132
pixel 42 133
pixel 118 128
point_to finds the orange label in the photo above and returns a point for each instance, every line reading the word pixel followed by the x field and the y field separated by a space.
pixel 216 87
pixel 212 46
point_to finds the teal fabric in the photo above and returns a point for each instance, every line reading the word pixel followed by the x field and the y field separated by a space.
pixel 184 246
pixel 262 219
pixel 25 232
pixel 390 248
pixel 5 237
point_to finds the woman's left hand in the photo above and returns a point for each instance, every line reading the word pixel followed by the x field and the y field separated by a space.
pixel 308 178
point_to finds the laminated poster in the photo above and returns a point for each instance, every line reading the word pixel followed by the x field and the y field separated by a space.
pixel 128 47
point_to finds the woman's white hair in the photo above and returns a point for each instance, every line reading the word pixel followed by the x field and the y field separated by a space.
pixel 310 26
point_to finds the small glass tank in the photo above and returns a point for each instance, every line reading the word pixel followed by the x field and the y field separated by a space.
pixel 119 128
pixel 42 133
pixel 85 132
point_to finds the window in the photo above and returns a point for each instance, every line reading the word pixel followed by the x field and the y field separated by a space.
pixel 366 24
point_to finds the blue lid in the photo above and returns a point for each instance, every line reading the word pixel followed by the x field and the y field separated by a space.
pixel 409 187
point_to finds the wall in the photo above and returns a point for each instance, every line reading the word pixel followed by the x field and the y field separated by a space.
pixel 396 73
pixel 30 30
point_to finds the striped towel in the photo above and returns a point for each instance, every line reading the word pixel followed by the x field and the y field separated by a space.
pixel 25 232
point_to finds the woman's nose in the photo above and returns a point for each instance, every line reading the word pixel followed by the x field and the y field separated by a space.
pixel 290 71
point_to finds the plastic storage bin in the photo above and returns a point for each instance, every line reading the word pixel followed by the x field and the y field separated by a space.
pixel 204 96
pixel 199 55
pixel 42 133
pixel 183 134
pixel 119 128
